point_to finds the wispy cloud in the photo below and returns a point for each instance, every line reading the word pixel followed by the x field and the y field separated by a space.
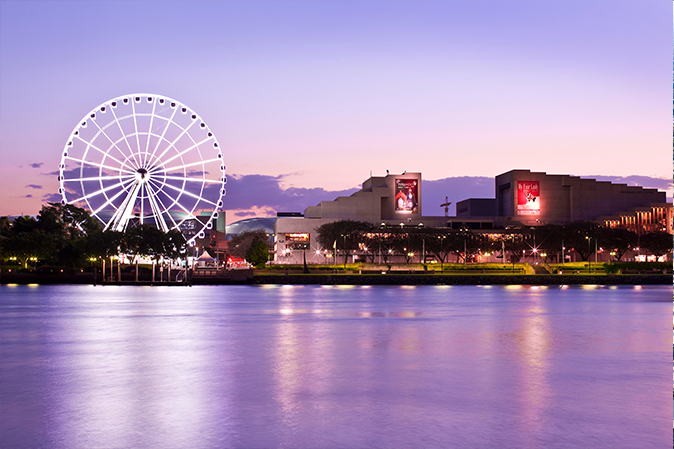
pixel 34 186
pixel 245 214
pixel 28 196
pixel 52 197
pixel 648 182
pixel 36 164
pixel 248 191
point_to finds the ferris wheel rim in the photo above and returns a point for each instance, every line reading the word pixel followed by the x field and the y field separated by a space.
pixel 128 164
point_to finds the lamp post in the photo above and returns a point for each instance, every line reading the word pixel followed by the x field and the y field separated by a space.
pixel 595 252
pixel 589 252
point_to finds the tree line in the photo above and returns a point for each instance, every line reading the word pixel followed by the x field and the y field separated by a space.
pixel 67 236
pixel 580 236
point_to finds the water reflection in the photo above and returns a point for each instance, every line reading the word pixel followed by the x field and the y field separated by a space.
pixel 334 367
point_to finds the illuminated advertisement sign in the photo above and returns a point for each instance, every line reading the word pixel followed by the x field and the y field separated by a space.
pixel 407 196
pixel 528 198
pixel 297 241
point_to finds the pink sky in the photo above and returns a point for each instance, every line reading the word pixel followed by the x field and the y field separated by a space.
pixel 321 94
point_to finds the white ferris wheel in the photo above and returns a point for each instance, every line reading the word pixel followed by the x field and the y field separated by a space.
pixel 144 159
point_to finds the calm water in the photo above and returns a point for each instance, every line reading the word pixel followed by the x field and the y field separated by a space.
pixel 244 366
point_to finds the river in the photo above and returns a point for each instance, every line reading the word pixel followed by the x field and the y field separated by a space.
pixel 356 367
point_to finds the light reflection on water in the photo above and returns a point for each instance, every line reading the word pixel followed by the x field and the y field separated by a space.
pixel 304 366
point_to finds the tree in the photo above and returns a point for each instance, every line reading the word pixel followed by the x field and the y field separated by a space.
pixel 617 240
pixel 658 243
pixel 239 244
pixel 151 242
pixel 576 235
pixel 257 253
pixel 345 235
pixel 440 243
pixel 26 245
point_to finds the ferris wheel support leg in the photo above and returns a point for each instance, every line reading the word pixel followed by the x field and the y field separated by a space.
pixel 127 209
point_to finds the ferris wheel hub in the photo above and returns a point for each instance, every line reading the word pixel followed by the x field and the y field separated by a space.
pixel 142 175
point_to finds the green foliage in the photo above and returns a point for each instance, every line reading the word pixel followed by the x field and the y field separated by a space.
pixel 658 243
pixel 618 267
pixel 239 244
pixel 257 253
pixel 154 243
pixel 347 233
pixel 68 236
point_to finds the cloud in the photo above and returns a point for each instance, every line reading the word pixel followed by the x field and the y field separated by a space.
pixel 36 164
pixel 52 198
pixel 28 196
pixel 648 182
pixel 245 214
pixel 34 186
pixel 249 191
pixel 248 195
pixel 196 173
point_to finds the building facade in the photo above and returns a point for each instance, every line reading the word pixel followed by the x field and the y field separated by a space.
pixel 522 199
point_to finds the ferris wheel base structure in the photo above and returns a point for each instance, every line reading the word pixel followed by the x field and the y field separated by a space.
pixel 144 159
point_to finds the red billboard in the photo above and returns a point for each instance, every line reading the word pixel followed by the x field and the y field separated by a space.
pixel 528 198
pixel 407 196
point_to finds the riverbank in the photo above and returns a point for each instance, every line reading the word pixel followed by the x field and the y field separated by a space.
pixel 459 279
pixel 364 279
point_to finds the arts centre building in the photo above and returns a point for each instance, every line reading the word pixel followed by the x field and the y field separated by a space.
pixel 522 199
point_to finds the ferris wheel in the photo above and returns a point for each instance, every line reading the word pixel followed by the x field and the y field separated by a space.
pixel 144 159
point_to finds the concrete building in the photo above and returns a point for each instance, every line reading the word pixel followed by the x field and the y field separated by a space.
pixel 522 199
pixel 525 198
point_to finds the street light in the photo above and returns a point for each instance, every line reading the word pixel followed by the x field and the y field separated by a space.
pixel 589 251
pixel 346 253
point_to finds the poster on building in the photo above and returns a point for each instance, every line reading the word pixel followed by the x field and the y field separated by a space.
pixel 528 198
pixel 407 196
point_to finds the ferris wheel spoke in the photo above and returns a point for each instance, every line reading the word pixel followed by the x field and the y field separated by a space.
pixel 142 203
pixel 125 211
pixel 190 194
pixel 180 167
pixel 122 164
pixel 113 143
pixel 178 178
pixel 168 122
pixel 110 200
pixel 135 125
pixel 159 201
pixel 98 192
pixel 176 202
pixel 98 178
pixel 149 133
pixel 196 145
pixel 158 217
pixel 172 144
pixel 131 153
pixel 96 164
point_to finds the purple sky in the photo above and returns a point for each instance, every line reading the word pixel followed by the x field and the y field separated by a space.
pixel 306 98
